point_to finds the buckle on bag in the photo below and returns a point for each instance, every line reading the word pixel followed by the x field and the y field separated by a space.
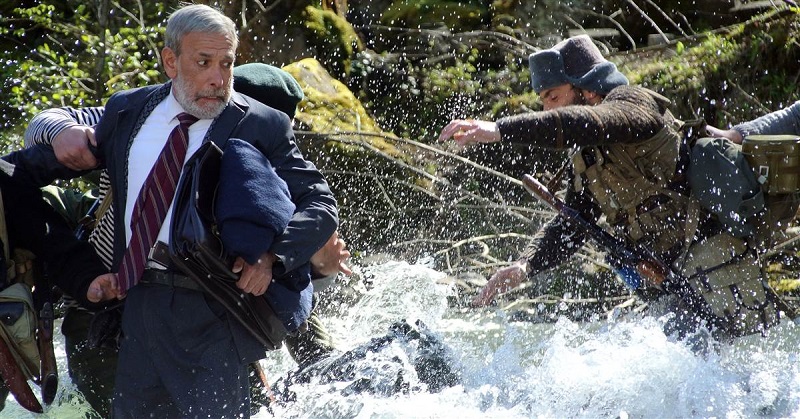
pixel 159 255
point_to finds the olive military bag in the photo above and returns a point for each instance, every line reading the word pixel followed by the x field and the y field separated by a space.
pixel 775 161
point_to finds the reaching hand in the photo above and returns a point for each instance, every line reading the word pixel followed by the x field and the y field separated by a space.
pixel 71 147
pixel 331 259
pixel 470 131
pixel 730 134
pixel 104 287
pixel 255 278
pixel 503 280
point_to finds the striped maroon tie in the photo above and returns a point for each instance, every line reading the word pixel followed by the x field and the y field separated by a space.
pixel 154 200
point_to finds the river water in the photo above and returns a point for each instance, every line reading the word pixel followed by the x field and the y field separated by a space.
pixel 622 368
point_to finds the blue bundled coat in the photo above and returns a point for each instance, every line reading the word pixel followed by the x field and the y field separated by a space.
pixel 253 207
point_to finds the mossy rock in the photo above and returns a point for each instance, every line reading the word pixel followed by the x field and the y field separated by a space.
pixel 334 39
pixel 370 171
pixel 352 138
pixel 330 107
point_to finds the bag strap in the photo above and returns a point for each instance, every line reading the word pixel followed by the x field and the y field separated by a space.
pixel 4 230
pixel 89 222
pixel 11 271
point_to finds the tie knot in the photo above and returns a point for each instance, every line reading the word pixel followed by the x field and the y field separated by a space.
pixel 186 119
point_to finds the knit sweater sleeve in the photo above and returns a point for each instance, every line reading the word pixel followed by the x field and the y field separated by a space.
pixel 784 121
pixel 559 238
pixel 628 114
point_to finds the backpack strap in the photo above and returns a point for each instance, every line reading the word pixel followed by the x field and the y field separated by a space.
pixel 89 222
pixel 105 204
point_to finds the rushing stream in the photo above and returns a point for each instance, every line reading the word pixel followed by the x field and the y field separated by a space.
pixel 602 369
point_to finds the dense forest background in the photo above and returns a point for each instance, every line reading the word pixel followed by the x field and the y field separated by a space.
pixel 408 68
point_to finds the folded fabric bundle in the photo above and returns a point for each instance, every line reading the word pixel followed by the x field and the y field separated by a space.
pixel 253 207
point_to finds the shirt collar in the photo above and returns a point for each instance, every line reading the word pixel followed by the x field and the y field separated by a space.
pixel 171 106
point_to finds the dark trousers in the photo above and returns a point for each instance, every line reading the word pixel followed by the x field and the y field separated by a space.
pixel 92 370
pixel 178 358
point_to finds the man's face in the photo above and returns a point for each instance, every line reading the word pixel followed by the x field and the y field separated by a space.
pixel 560 96
pixel 202 75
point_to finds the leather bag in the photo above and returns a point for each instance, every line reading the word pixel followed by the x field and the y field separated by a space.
pixel 197 250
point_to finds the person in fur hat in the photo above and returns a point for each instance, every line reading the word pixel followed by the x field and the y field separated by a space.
pixel 628 163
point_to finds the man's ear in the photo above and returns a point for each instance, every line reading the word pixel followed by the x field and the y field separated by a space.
pixel 170 62
pixel 592 98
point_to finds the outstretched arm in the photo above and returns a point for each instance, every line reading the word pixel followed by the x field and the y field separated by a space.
pixel 69 131
pixel 784 121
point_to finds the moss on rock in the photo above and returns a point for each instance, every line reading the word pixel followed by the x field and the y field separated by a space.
pixel 726 77
pixel 456 15
pixel 335 40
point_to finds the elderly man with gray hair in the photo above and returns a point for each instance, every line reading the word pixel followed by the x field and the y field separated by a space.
pixel 629 163
pixel 182 354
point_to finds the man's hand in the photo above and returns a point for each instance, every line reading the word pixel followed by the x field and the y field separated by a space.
pixel 730 134
pixel 104 287
pixel 470 131
pixel 255 279
pixel 331 259
pixel 503 280
pixel 71 147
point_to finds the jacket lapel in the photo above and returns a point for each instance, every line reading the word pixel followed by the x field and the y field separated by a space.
pixel 228 120
pixel 129 121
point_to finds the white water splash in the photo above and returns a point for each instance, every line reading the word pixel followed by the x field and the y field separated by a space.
pixel 622 369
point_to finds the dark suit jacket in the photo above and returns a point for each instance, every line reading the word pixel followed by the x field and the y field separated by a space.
pixel 269 130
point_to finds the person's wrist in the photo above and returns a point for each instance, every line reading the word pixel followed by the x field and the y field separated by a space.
pixel 60 132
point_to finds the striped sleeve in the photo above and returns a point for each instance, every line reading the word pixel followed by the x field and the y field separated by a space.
pixel 47 124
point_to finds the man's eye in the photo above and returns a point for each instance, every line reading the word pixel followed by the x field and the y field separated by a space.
pixel 202 62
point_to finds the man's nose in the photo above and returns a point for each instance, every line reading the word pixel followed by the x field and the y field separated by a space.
pixel 216 77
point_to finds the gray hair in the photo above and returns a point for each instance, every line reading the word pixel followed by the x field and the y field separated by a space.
pixel 197 18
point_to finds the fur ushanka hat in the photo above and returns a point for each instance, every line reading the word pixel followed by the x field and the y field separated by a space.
pixel 576 61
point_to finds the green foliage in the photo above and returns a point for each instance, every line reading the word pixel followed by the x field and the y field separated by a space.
pixel 732 76
pixel 74 61
pixel 59 77
pixel 416 101
pixel 690 68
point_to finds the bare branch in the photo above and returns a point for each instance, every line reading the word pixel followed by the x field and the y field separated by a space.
pixel 610 19
pixel 651 3
pixel 647 18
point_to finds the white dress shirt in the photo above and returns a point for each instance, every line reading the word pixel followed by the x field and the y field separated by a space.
pixel 147 147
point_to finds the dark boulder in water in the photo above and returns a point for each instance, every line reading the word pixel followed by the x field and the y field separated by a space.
pixel 409 358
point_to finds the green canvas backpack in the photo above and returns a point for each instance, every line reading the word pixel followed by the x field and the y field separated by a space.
pixel 751 188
